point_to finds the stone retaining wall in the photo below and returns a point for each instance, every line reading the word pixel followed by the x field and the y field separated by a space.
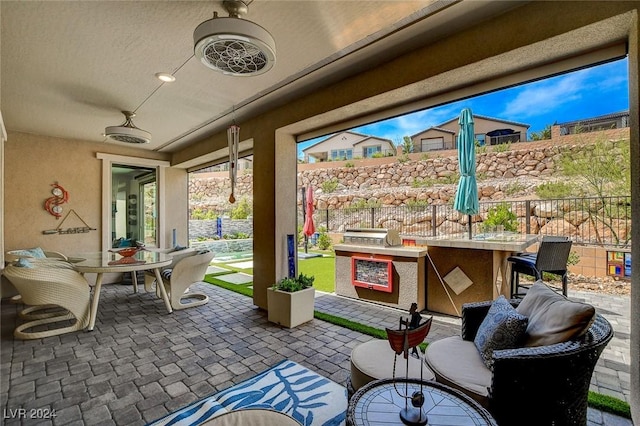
pixel 426 177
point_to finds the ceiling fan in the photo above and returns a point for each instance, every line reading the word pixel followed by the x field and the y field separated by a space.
pixel 232 45
pixel 127 132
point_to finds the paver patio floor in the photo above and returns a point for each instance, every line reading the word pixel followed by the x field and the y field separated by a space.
pixel 141 363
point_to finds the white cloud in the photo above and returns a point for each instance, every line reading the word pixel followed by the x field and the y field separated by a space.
pixel 547 95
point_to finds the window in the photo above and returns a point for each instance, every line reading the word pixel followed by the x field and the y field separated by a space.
pixel 370 150
pixel 480 138
pixel 431 144
pixel 341 154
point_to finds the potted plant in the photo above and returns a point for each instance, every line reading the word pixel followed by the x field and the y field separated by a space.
pixel 291 301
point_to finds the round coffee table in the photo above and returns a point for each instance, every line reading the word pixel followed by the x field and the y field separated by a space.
pixel 378 403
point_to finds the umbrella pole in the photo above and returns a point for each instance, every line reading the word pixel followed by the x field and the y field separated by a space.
pixel 470 233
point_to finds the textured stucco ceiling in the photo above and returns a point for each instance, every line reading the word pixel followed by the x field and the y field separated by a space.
pixel 69 68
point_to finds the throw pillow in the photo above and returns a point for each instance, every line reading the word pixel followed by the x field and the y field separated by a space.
pixel 36 253
pixel 502 328
pixel 552 317
pixel 166 274
pixel 23 263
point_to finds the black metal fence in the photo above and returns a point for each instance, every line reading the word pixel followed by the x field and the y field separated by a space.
pixel 587 221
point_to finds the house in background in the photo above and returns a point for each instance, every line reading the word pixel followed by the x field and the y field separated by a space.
pixel 615 120
pixel 488 130
pixel 348 145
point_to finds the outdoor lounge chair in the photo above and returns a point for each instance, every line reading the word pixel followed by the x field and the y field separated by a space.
pixel 177 278
pixel 528 385
pixel 45 289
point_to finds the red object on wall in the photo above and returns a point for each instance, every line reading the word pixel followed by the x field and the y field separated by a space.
pixel 372 272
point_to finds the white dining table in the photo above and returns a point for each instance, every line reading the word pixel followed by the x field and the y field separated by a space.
pixel 100 263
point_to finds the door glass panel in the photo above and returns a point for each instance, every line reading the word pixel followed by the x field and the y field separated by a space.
pixel 148 210
pixel 134 206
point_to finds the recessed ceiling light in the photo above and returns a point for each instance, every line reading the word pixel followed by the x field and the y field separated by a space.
pixel 165 77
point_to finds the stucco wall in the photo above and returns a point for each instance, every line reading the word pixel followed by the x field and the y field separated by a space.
pixel 33 163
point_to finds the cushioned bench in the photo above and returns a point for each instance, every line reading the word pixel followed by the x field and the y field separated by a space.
pixel 373 360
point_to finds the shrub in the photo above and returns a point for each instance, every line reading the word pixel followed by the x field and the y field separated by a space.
pixel 403 158
pixel 550 190
pixel 324 241
pixel 416 204
pixel 329 185
pixel 451 179
pixel 423 183
pixel 514 188
pixel 503 147
pixel 242 210
pixel 349 164
pixel 501 214
pixel 291 285
pixel 364 204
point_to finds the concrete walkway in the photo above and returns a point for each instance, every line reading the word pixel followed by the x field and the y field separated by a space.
pixel 141 363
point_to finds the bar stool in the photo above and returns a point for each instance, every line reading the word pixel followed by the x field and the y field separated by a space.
pixel 552 257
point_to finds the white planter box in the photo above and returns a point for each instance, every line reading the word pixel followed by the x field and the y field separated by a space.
pixel 290 309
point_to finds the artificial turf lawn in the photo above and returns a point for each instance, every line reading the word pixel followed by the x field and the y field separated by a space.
pixel 322 268
pixel 596 400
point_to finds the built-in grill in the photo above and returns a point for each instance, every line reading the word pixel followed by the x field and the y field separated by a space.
pixel 372 237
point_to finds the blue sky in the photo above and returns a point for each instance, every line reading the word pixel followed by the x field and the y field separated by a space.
pixel 586 93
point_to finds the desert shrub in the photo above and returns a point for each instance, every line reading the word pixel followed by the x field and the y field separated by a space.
pixel 324 241
pixel 551 190
pixel 513 188
pixel 329 185
pixel 403 158
pixel 501 214
pixel 242 210
pixel 503 147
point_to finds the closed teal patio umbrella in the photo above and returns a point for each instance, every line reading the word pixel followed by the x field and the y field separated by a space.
pixel 466 200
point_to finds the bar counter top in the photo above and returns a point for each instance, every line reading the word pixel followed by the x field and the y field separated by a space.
pixel 398 251
pixel 507 242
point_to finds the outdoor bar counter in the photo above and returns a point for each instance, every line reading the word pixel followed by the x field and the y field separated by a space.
pixel 462 270
pixel 439 274
pixel 392 276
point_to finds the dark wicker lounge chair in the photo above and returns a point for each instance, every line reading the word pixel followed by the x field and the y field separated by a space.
pixel 543 385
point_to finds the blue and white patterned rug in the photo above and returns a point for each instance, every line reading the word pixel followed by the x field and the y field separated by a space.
pixel 287 387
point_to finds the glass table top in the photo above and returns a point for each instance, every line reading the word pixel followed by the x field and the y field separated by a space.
pixel 379 403
pixel 107 259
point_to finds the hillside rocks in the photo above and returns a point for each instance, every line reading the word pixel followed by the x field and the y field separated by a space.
pixel 432 180
pixel 427 187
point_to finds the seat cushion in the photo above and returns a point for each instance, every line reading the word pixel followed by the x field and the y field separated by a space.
pixel 457 363
pixel 502 328
pixel 552 317
pixel 252 417
pixel 373 360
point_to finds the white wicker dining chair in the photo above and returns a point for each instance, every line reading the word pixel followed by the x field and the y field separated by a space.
pixel 53 292
pixel 186 271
